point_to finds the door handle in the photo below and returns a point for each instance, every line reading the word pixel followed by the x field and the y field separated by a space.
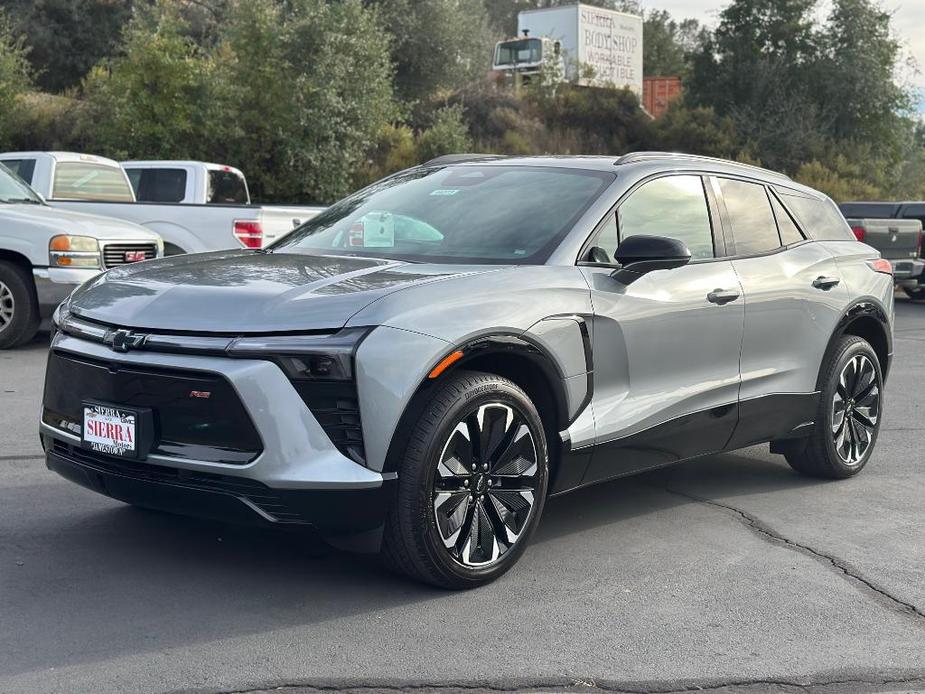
pixel 722 296
pixel 826 283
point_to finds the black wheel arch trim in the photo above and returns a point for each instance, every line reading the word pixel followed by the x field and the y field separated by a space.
pixel 501 342
pixel 860 309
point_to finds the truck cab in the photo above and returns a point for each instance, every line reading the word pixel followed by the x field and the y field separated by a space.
pixel 525 55
pixel 187 182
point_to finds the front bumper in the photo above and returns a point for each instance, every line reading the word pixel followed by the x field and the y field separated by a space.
pixel 54 284
pixel 298 477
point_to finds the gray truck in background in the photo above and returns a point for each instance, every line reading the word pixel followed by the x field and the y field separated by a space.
pixel 895 229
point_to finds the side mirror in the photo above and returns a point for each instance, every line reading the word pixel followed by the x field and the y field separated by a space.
pixel 641 254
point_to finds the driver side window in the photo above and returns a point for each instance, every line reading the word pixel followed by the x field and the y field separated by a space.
pixel 673 206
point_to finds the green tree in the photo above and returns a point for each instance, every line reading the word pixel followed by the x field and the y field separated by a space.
pixel 439 44
pixel 448 135
pixel 861 53
pixel 15 77
pixel 668 44
pixel 67 37
pixel 153 100
pixel 302 94
pixel 696 130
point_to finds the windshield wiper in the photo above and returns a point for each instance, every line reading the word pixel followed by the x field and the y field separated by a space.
pixel 28 201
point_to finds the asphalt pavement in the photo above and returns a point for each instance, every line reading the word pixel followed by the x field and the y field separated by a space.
pixel 729 573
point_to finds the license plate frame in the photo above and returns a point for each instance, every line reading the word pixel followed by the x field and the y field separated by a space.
pixel 117 430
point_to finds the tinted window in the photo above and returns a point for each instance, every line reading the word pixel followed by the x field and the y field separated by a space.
pixel 753 226
pixel 869 210
pixel 87 181
pixel 227 187
pixel 158 185
pixel 914 212
pixel 789 233
pixel 818 217
pixel 24 168
pixel 467 213
pixel 674 206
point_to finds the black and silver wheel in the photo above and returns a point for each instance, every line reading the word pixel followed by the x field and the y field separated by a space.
pixel 848 417
pixel 472 486
pixel 19 311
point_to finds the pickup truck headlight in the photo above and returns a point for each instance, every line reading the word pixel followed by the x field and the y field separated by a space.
pixel 74 251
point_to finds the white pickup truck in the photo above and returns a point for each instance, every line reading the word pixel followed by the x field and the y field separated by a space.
pixel 212 213
pixel 46 253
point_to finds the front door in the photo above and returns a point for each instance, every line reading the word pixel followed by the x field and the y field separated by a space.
pixel 666 347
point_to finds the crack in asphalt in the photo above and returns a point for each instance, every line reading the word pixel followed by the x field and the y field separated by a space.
pixel 808 685
pixel 840 565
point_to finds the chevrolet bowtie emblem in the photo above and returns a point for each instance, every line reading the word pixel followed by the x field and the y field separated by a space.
pixel 125 340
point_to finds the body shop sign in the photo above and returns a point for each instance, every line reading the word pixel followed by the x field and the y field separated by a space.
pixel 610 44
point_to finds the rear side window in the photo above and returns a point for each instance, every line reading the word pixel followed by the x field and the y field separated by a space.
pixel 914 212
pixel 88 181
pixel 753 227
pixel 789 233
pixel 158 185
pixel 226 187
pixel 673 206
pixel 819 217
pixel 24 168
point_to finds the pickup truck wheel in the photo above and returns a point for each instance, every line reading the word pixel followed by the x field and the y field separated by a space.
pixel 19 307
pixel 848 416
pixel 917 294
pixel 472 485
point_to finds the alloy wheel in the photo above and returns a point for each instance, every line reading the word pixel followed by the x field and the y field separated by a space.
pixel 856 409
pixel 7 306
pixel 485 486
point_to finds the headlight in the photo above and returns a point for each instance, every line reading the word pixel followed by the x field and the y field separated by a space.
pixel 306 357
pixel 61 313
pixel 74 251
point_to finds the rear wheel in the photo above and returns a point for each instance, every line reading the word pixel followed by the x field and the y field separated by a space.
pixel 848 418
pixel 19 309
pixel 472 485
pixel 918 293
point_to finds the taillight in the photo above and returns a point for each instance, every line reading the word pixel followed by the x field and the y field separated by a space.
pixel 858 233
pixel 881 265
pixel 249 233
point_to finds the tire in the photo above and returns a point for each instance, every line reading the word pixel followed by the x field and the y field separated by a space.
pixel 471 544
pixel 848 415
pixel 916 294
pixel 19 307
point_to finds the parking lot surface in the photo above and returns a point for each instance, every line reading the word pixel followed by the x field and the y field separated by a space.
pixel 729 573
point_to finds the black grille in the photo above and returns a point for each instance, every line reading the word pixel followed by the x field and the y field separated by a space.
pixel 115 253
pixel 334 404
pixel 188 425
pixel 268 500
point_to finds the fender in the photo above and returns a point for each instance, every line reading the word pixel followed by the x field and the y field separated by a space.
pixel 499 351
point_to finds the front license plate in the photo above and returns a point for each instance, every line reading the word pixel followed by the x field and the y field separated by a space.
pixel 111 430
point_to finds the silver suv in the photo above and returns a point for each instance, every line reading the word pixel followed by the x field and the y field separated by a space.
pixel 419 367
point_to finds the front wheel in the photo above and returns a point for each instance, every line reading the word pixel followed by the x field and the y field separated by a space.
pixel 472 485
pixel 19 309
pixel 848 415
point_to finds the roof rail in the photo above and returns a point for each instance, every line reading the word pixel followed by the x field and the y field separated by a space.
pixel 448 159
pixel 634 157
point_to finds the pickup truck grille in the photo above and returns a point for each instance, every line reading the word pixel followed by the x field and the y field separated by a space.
pixel 122 253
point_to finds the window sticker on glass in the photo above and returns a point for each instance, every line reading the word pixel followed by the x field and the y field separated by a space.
pixel 373 230
pixel 444 192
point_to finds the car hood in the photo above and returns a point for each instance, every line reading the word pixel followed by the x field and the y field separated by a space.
pixel 54 220
pixel 241 292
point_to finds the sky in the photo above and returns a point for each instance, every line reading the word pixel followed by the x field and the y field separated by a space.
pixel 908 23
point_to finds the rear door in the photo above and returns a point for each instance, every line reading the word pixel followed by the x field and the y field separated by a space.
pixel 666 347
pixel 794 297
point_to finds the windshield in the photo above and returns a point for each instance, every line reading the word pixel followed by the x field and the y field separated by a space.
pixel 458 214
pixel 521 51
pixel 14 190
